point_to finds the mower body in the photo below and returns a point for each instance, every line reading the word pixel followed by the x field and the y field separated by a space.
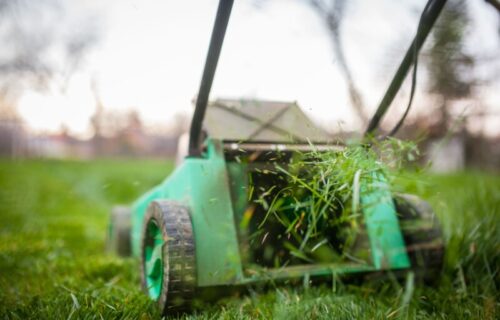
pixel 205 227
pixel 216 192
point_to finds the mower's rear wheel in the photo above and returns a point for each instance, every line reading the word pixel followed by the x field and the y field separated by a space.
pixel 422 235
pixel 168 265
pixel 118 239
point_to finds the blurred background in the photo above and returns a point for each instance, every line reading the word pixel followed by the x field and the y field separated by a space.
pixel 90 79
pixel 95 95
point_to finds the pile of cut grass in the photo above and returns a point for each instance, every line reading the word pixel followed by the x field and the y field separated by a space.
pixel 53 218
pixel 320 205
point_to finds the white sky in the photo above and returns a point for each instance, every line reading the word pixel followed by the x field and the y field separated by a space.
pixel 151 55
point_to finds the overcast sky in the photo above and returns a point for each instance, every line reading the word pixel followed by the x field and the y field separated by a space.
pixel 151 53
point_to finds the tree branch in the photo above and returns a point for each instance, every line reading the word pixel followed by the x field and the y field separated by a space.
pixel 332 15
pixel 495 4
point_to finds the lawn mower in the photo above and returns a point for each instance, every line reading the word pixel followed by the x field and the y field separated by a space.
pixel 207 227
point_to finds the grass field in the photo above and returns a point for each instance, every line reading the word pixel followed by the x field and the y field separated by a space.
pixel 53 218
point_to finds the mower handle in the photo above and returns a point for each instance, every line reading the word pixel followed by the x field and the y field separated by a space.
pixel 429 16
pixel 218 33
pixel 431 12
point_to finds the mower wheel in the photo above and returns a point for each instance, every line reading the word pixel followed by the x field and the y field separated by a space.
pixel 168 265
pixel 422 235
pixel 118 240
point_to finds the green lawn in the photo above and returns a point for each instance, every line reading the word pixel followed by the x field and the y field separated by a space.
pixel 53 218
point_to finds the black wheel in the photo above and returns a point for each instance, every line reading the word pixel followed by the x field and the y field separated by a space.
pixel 422 235
pixel 118 240
pixel 168 265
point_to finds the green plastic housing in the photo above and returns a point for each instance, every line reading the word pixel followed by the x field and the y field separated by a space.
pixel 202 184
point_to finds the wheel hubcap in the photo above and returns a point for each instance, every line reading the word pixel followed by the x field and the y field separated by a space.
pixel 153 259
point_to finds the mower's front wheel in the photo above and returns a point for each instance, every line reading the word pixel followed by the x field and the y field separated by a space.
pixel 168 268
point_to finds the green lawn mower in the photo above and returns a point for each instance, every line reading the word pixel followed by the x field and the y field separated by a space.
pixel 212 223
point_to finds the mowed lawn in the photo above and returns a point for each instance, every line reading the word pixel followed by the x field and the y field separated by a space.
pixel 53 220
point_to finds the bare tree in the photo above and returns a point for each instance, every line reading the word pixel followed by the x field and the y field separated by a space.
pixel 332 13
pixel 40 41
pixel 449 66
